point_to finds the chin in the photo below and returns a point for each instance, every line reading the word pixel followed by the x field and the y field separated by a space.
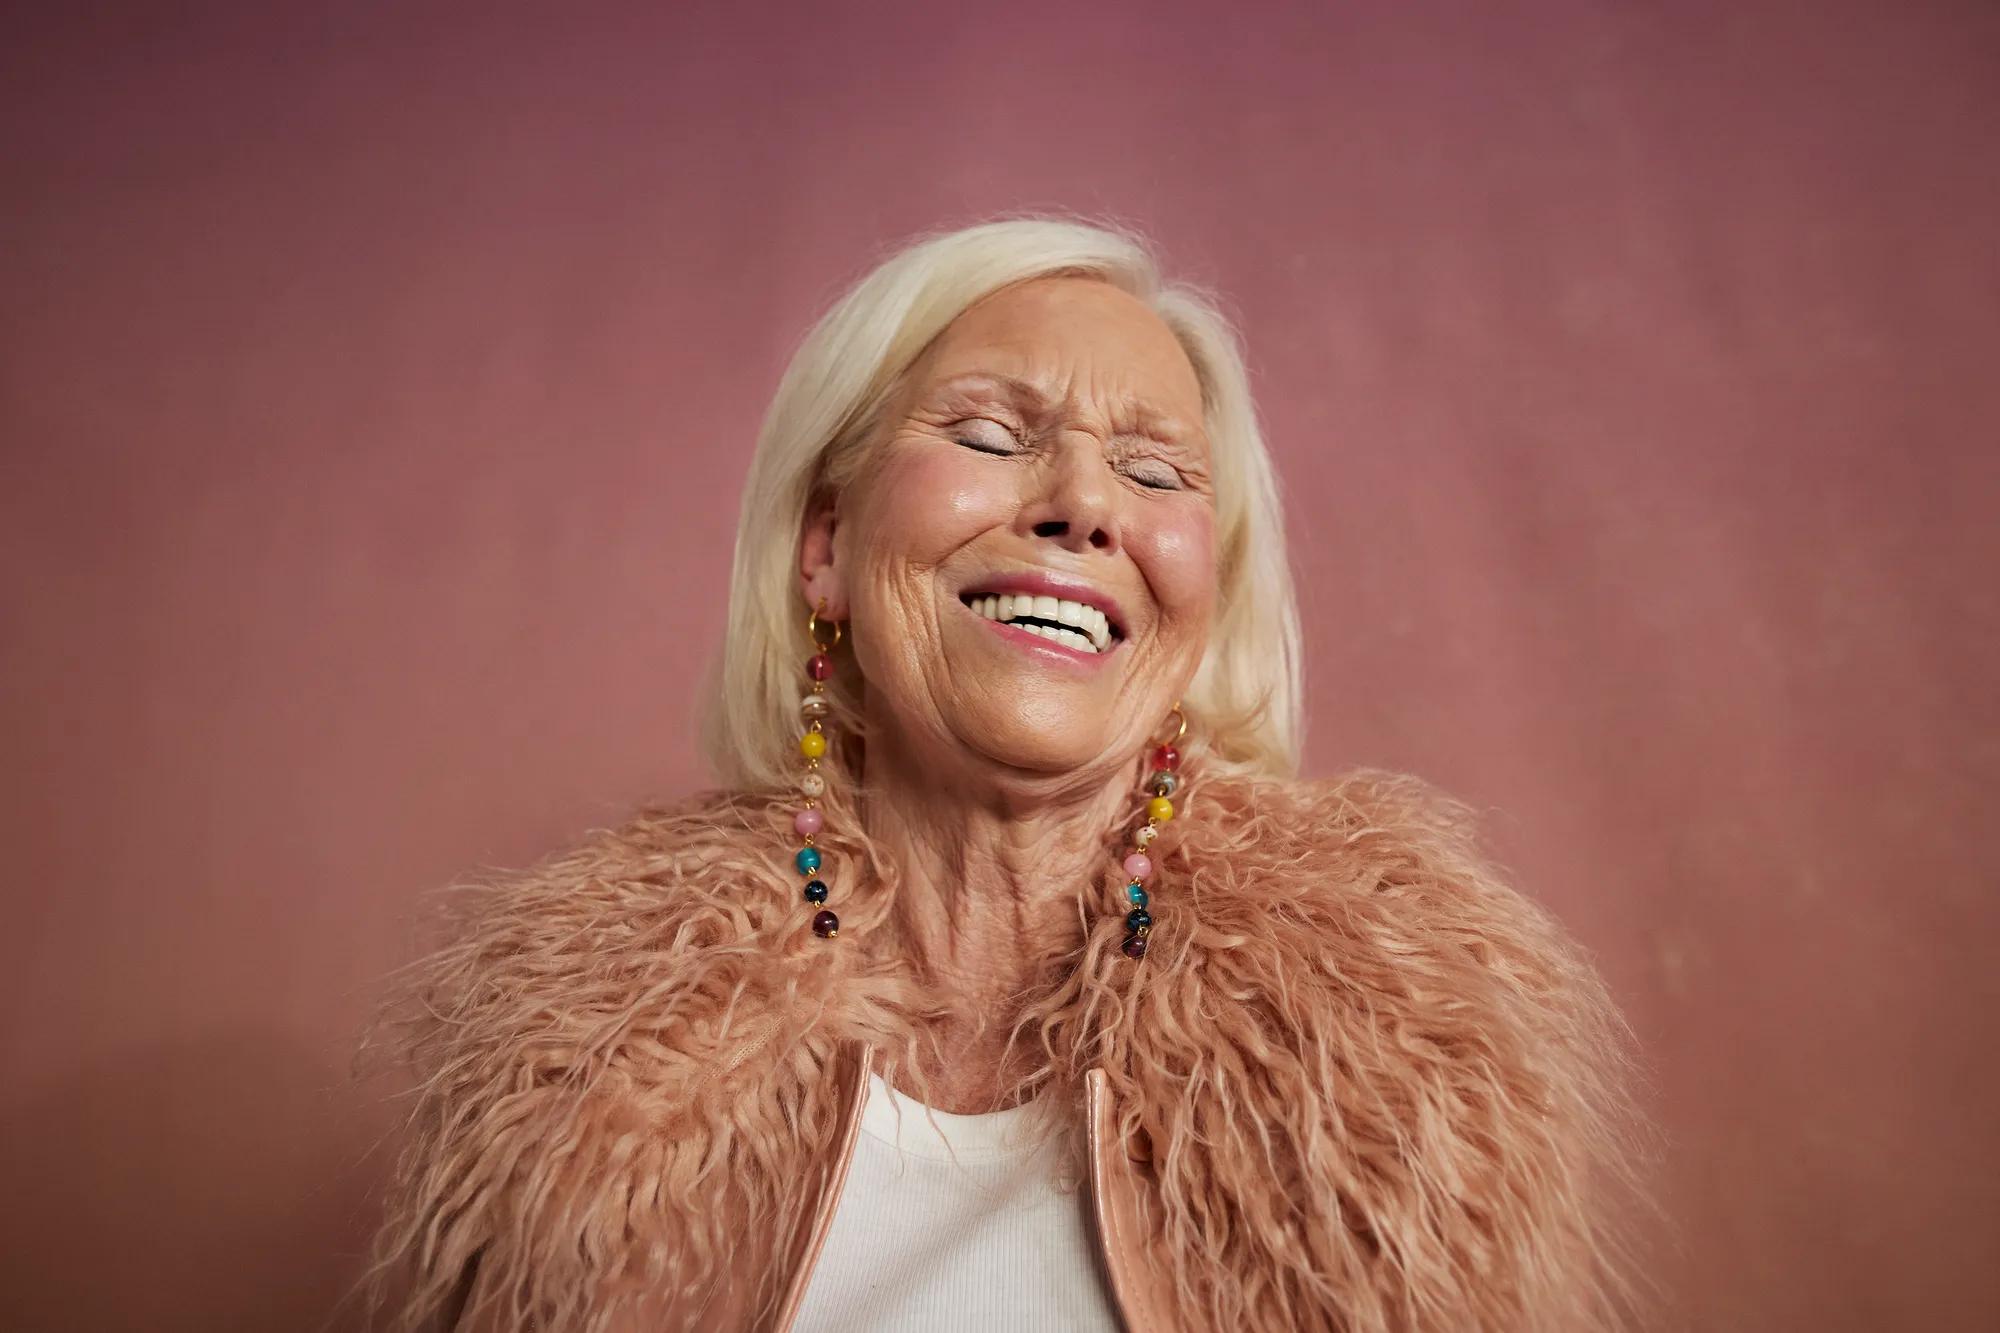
pixel 1021 740
pixel 1049 761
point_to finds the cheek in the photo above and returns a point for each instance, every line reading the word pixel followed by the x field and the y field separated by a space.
pixel 923 504
pixel 1176 553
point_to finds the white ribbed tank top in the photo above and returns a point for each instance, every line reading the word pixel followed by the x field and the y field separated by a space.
pixel 961 1227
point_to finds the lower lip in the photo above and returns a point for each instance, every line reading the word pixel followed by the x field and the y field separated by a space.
pixel 1049 648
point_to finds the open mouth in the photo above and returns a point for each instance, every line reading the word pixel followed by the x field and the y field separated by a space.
pixel 1072 624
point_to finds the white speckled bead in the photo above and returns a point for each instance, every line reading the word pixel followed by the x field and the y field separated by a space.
pixel 812 784
pixel 1145 836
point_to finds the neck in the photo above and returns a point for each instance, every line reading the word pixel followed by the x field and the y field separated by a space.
pixel 995 884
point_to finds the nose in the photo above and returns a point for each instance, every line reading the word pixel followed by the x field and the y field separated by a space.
pixel 1077 505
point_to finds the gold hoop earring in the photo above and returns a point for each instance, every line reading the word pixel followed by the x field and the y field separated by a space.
pixel 812 630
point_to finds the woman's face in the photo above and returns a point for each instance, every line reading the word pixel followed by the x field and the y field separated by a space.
pixel 1027 555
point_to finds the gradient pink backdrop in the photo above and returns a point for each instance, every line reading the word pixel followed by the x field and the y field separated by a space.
pixel 378 386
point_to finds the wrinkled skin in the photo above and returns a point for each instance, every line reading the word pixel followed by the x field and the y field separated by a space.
pixel 999 763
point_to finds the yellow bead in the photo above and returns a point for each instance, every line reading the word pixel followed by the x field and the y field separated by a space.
pixel 812 745
pixel 1160 808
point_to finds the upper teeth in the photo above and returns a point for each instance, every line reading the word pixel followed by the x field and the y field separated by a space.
pixel 1078 625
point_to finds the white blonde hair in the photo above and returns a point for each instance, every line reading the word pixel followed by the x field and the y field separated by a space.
pixel 1243 703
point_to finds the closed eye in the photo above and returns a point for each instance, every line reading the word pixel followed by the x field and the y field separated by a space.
pixel 986 435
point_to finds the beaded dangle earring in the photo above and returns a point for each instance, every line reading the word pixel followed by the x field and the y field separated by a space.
pixel 1161 786
pixel 814 708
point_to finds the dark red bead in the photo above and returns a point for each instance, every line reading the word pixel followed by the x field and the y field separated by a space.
pixel 1166 757
pixel 826 925
pixel 1135 946
pixel 819 666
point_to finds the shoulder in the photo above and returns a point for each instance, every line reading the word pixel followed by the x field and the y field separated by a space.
pixel 565 1036
pixel 1364 803
pixel 626 958
pixel 1378 883
pixel 658 864
pixel 1366 831
pixel 1437 1023
pixel 1326 841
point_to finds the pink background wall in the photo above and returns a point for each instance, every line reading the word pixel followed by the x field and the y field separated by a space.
pixel 377 388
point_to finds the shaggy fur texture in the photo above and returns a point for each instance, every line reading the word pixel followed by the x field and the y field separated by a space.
pixel 1381 1090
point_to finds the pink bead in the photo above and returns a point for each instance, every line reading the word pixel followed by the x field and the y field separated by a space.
pixel 1138 866
pixel 808 822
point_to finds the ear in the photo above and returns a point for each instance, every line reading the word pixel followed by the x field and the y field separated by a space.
pixel 819 577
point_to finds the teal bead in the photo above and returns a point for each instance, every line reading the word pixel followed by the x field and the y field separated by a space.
pixel 807 860
pixel 1137 894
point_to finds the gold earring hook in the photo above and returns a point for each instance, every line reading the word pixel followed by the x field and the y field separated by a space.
pixel 1179 731
pixel 812 628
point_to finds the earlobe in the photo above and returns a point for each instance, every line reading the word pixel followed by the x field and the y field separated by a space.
pixel 823 590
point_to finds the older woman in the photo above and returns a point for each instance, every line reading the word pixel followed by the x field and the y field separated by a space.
pixel 1012 980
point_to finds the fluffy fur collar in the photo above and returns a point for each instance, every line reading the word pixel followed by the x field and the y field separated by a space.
pixel 1381 1089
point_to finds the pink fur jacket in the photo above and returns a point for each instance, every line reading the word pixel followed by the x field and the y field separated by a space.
pixel 1381 1089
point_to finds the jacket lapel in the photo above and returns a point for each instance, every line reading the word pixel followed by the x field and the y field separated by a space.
pixel 855 1062
pixel 1120 1204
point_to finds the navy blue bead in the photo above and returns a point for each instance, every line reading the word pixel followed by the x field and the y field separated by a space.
pixel 1137 918
pixel 816 891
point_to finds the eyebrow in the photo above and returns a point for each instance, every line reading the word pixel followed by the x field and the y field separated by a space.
pixel 1141 415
